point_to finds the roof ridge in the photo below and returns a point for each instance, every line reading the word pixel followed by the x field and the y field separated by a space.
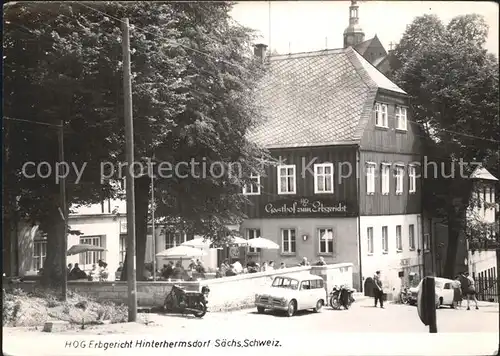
pixel 323 52
pixel 357 60
pixel 356 63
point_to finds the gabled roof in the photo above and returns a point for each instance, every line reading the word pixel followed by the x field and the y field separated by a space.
pixel 482 173
pixel 363 46
pixel 318 99
pixel 378 61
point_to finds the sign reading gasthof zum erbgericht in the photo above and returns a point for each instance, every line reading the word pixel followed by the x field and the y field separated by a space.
pixel 306 207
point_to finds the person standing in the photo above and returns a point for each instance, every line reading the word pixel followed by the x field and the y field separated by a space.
pixel 470 290
pixel 304 262
pixel 378 290
pixel 457 292
pixel 321 262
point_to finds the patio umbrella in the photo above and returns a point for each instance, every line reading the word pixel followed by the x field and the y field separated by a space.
pixel 82 248
pixel 263 243
pixel 198 242
pixel 181 252
pixel 235 240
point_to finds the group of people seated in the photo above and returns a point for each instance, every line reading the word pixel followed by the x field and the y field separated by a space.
pixel 176 271
pixel 95 274
pixel 171 271
pixel 232 269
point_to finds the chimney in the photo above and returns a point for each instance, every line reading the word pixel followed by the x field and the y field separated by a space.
pixel 259 50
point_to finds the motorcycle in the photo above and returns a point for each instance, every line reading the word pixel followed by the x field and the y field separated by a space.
pixel 405 295
pixel 183 302
pixel 341 297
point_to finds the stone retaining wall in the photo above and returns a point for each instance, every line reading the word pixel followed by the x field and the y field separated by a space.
pixel 225 293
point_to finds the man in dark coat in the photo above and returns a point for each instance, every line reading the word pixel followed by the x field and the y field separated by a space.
pixel 378 291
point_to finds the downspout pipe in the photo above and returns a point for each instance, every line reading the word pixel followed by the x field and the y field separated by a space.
pixel 358 178
pixel 422 220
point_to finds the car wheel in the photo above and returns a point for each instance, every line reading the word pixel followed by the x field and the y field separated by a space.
pixel 260 310
pixel 292 308
pixel 319 305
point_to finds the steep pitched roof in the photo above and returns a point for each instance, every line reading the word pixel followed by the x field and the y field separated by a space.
pixel 378 61
pixel 318 99
pixel 363 46
pixel 482 173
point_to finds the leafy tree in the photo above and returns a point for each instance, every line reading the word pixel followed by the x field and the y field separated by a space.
pixel 453 85
pixel 194 78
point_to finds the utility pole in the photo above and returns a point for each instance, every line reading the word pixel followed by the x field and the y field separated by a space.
pixel 153 239
pixel 129 148
pixel 62 190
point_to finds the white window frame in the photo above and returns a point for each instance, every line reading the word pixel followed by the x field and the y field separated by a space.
pixel 401 118
pixel 399 238
pixel 412 175
pixel 321 231
pixel 399 171
pixel 323 176
pixel 87 259
pixel 411 237
pixel 280 188
pixel 38 261
pixel 369 240
pixel 385 178
pixel 251 191
pixel 122 245
pixel 381 115
pixel 370 177
pixel 487 195
pixel 289 238
pixel 253 233
pixel 385 240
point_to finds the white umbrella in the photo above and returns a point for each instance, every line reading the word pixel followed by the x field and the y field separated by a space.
pixel 235 240
pixel 180 252
pixel 263 243
pixel 82 248
pixel 231 240
pixel 198 242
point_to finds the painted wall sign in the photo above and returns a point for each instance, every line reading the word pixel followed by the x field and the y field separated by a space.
pixel 307 207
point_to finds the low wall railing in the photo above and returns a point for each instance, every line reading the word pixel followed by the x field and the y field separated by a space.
pixel 226 293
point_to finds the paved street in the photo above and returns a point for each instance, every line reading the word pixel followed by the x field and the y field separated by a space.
pixel 362 317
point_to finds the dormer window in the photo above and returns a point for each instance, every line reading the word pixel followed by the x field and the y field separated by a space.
pixel 401 118
pixel 381 115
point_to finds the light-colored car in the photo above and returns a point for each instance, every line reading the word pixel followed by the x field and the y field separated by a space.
pixel 444 292
pixel 291 293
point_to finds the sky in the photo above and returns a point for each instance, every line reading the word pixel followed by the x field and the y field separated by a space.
pixel 302 26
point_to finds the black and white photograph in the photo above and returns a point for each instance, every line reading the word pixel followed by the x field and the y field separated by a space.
pixel 250 177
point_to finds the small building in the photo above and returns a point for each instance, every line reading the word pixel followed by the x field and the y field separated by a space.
pixel 103 225
pixel 478 258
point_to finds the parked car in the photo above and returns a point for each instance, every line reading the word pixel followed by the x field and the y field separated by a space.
pixel 291 293
pixel 444 292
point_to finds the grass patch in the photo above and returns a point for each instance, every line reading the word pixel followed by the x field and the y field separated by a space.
pixel 21 309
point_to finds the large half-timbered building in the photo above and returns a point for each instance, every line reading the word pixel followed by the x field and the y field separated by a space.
pixel 346 186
